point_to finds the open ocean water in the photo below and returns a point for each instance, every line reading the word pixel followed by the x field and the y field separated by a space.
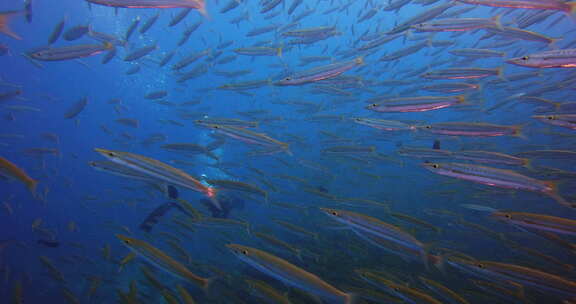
pixel 287 151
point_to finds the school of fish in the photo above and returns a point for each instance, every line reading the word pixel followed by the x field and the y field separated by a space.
pixel 329 151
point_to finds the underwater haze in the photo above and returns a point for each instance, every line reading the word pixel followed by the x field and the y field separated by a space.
pixel 287 151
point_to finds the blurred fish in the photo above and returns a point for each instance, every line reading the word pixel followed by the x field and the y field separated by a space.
pixel 76 108
pixel 416 104
pixel 408 294
pixel 561 120
pixel 568 7
pixel 141 52
pixel 193 4
pixel 57 31
pixel 497 178
pixel 251 137
pixel 9 169
pixel 5 19
pixel 290 274
pixel 320 73
pixel 457 24
pixel 364 226
pixel 161 260
pixel 76 32
pixel 472 129
pixel 69 52
pixel 160 171
pixel 523 275
pixel 180 16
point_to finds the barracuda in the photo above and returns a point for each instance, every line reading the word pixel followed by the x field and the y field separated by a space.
pixel 497 178
pixel 163 261
pixel 160 171
pixel 288 273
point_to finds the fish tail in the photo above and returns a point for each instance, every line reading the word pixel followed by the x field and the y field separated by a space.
pixel 32 185
pixel 351 298
pixel 202 8
pixel 571 8
pixel 461 99
pixel 528 164
pixel 286 149
pixel 518 132
pixel 207 284
pixel 424 255
pixel 5 27
pixel 497 21
pixel 215 202
pixel 500 73
pixel 439 263
pixel 248 229
pixel 299 254
pixel 212 194
pixel 108 45
pixel 553 193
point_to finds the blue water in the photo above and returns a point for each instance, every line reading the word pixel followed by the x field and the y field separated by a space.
pixel 100 205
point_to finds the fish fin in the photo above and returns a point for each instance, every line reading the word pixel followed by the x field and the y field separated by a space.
pixel 5 28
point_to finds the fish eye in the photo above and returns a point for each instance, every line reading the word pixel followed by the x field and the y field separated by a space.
pixel 396 289
pixel 480 265
pixel 508 216
pixel 111 154
pixel 127 242
pixel 288 78
pixel 435 166
pixel 428 127
pixel 550 117
pixel 524 58
pixel 373 105
pixel 245 252
pixel 334 213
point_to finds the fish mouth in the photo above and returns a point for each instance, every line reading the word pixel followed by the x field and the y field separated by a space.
pixel 105 153
pixel 122 237
pixel 102 151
